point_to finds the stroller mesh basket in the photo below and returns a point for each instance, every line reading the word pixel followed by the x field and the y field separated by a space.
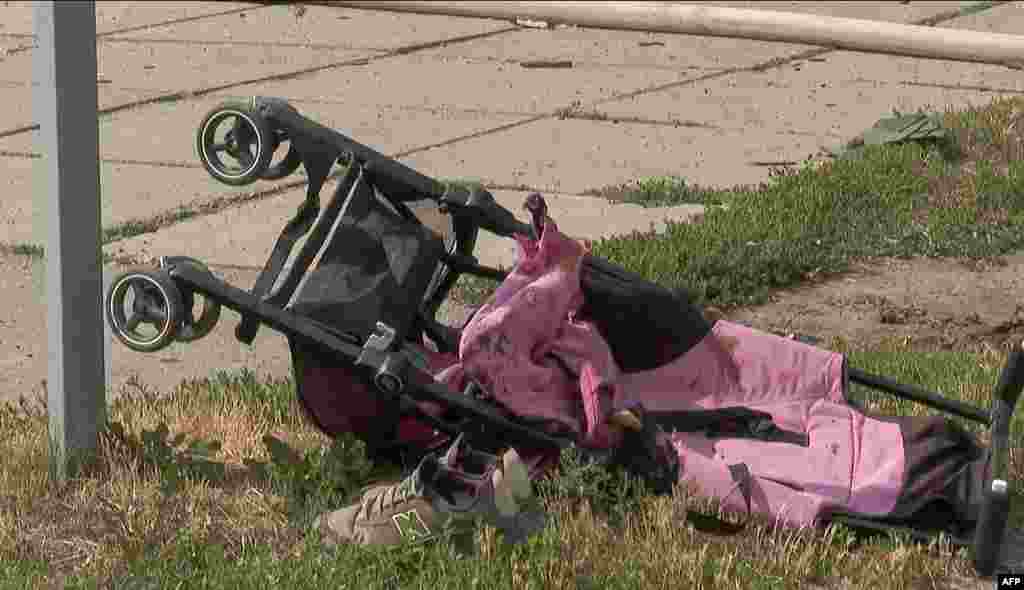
pixel 377 263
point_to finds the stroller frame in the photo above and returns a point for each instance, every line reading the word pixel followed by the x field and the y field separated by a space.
pixel 382 357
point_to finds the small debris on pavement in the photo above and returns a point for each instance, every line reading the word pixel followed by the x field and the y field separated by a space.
pixel 547 63
pixel 769 163
pixel 533 24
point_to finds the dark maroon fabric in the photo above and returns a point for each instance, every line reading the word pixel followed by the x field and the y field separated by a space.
pixel 945 473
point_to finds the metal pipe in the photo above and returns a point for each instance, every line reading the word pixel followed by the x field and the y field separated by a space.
pixel 867 36
pixel 920 395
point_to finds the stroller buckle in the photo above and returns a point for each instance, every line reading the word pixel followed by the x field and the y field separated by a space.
pixel 389 366
pixel 382 339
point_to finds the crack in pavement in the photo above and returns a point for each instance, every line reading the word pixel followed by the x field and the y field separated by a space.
pixel 600 117
pixel 930 21
pixel 361 61
pixel 156 163
pixel 568 113
pixel 133 28
pixel 975 88
pixel 242 43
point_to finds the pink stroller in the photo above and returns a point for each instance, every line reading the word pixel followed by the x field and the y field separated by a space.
pixel 567 345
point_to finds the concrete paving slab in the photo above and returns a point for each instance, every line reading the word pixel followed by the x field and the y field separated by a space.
pixel 179 67
pixel 1005 19
pixel 16 16
pixel 598 49
pixel 12 45
pixel 129 71
pixel 166 132
pixel 904 12
pixel 320 25
pixel 683 53
pixel 128 192
pixel 218 240
pixel 835 96
pixel 573 156
pixel 811 101
pixel 17 112
pixel 422 80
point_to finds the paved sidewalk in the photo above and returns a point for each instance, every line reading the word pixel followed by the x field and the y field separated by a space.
pixel 453 97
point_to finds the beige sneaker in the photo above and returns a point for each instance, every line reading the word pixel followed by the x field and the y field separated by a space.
pixel 454 490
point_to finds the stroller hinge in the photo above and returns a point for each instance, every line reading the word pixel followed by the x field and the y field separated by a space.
pixel 460 262
pixel 390 366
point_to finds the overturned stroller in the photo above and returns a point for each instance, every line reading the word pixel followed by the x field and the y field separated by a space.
pixel 571 350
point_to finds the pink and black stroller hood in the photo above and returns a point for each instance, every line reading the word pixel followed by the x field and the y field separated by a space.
pixel 763 423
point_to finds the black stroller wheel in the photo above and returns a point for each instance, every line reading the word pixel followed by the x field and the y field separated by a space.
pixel 144 297
pixel 248 140
pixel 288 165
pixel 193 328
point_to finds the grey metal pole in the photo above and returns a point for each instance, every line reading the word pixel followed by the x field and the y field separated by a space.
pixel 65 108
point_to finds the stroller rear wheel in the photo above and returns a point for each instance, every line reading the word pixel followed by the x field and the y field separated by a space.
pixel 140 298
pixel 233 129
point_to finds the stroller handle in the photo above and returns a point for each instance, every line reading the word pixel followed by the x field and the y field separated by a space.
pixel 282 114
pixel 402 182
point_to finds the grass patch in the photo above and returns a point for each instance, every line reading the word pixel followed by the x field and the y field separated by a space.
pixel 960 197
pixel 36 251
pixel 659 191
pixel 149 516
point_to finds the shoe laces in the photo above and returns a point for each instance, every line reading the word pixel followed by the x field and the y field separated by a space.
pixel 390 497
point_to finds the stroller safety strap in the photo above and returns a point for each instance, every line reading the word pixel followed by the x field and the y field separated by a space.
pixel 729 422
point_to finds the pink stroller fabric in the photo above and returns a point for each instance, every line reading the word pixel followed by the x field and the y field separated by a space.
pixel 527 347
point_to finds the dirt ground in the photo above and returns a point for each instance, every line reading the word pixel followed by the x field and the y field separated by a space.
pixel 926 304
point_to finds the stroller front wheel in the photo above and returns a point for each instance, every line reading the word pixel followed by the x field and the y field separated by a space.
pixel 139 298
pixel 233 131
pixel 192 328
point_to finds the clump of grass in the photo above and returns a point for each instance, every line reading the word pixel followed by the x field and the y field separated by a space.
pixel 960 198
pixel 30 250
pixel 659 191
pixel 230 460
